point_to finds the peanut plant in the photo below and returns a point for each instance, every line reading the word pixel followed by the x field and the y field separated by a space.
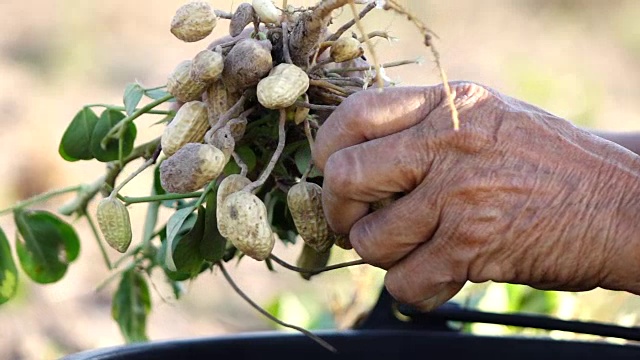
pixel 233 163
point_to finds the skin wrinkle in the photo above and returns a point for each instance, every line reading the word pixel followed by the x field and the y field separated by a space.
pixel 511 197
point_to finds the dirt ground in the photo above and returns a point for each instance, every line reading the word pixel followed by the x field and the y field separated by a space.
pixel 577 59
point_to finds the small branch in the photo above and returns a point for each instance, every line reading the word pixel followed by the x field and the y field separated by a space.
pixel 122 108
pixel 246 298
pixel 117 129
pixel 427 35
pixel 223 14
pixel 244 169
pixel 143 199
pixel 382 34
pixel 144 166
pixel 319 64
pixel 372 51
pixel 96 234
pixel 386 66
pixel 318 270
pixel 285 43
pixel 276 154
pixel 329 86
pixel 345 81
pixel 224 119
pixel 352 22
pixel 41 198
pixel 315 106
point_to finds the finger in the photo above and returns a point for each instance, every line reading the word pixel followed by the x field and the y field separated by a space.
pixel 371 171
pixel 387 235
pixel 430 275
pixel 373 114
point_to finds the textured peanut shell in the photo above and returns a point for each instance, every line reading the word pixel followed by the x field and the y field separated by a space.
pixel 267 11
pixel 207 66
pixel 191 168
pixel 229 185
pixel 304 201
pixel 193 21
pixel 217 100
pixel 189 125
pixel 283 86
pixel 242 17
pixel 245 220
pixel 246 63
pixel 345 49
pixel 114 223
pixel 182 85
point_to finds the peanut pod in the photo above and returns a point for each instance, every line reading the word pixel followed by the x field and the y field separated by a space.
pixel 188 126
pixel 182 85
pixel 304 201
pixel 245 220
pixel 191 168
pixel 114 223
pixel 284 85
pixel 193 21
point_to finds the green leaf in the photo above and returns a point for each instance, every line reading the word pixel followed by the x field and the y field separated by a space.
pixel 173 227
pixel 132 96
pixel 186 250
pixel 108 119
pixel 76 141
pixel 303 159
pixel 156 94
pixel 131 305
pixel 45 244
pixel 213 245
pixel 8 271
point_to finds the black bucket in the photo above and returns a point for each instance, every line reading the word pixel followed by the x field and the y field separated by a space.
pixel 384 335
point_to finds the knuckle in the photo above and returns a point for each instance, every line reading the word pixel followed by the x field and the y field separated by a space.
pixel 338 173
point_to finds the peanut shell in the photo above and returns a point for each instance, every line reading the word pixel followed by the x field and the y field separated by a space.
pixel 267 11
pixel 114 223
pixel 345 49
pixel 283 86
pixel 191 168
pixel 229 185
pixel 182 85
pixel 245 219
pixel 246 63
pixel 304 201
pixel 242 17
pixel 193 21
pixel 207 66
pixel 189 125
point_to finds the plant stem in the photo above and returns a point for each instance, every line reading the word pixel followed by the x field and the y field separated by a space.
pixel 387 65
pixel 203 196
pixel 246 298
pixel 318 270
pixel 328 86
pixel 96 234
pixel 121 108
pixel 352 22
pixel 244 169
pixel 153 198
pixel 276 155
pixel 376 62
pixel 285 42
pixel 41 198
pixel 119 128
pixel 144 166
pixel 315 106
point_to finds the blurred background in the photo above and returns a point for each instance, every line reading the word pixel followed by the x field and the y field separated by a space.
pixel 579 59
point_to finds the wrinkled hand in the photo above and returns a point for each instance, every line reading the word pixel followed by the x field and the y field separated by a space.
pixel 516 195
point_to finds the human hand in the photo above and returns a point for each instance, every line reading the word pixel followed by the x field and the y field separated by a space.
pixel 516 195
